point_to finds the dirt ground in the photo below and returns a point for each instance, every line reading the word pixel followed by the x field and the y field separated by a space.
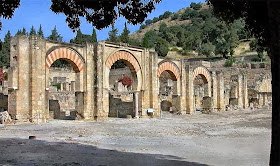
pixel 227 138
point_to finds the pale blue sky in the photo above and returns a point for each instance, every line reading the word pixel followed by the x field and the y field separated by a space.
pixel 36 12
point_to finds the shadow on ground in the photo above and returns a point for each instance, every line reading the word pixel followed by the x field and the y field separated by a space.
pixel 38 152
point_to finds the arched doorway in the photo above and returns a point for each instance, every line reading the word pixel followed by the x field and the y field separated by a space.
pixel 64 82
pixel 169 87
pixel 123 82
pixel 201 87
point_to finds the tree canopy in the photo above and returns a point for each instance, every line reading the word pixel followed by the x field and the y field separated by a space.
pixel 101 13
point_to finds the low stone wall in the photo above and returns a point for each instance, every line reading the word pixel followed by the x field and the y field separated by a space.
pixel 120 109
pixel 66 100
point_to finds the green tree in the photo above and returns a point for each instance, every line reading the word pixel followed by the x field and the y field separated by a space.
pixel 175 16
pixel 113 34
pixel 101 14
pixel 32 31
pixel 150 39
pixel 5 52
pixel 124 35
pixel 55 36
pixel 195 6
pixel 78 39
pixel 148 22
pixel 7 9
pixel 94 36
pixel 255 46
pixel 24 32
pixel 207 49
pixel 162 47
pixel 40 32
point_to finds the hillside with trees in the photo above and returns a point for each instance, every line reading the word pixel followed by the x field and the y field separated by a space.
pixel 192 30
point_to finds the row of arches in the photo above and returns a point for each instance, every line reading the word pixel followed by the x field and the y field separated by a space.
pixel 168 74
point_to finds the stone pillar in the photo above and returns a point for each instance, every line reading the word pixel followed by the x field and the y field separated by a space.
pixel 221 95
pixel 183 88
pixel 38 79
pixel 154 87
pixel 102 110
pixel 189 90
pixel 89 71
pixel 136 104
pixel 20 91
pixel 265 101
pixel 215 91
pixel 72 86
pixel 245 92
pixel 239 91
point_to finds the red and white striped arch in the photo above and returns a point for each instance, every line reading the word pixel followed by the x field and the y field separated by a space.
pixel 64 53
pixel 168 66
pixel 124 55
pixel 202 71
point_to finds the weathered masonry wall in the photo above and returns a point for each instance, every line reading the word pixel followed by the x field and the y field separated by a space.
pixel 90 82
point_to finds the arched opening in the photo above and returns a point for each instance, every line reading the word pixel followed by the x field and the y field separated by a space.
pixel 168 93
pixel 201 90
pixel 64 84
pixel 123 83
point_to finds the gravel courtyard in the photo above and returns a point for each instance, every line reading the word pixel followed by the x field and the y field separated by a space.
pixel 227 138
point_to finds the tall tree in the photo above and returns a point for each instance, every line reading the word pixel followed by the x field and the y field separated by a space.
pixel 101 14
pixel 113 34
pixel 24 32
pixel 124 35
pixel 40 32
pixel 32 31
pixel 79 37
pixel 262 19
pixel 55 36
pixel 5 52
pixel 94 36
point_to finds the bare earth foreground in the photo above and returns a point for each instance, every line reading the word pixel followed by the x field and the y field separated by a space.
pixel 226 138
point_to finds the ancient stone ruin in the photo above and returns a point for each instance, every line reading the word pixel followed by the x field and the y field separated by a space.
pixel 92 90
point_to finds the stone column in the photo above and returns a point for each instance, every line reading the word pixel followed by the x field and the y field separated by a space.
pixel 245 92
pixel 215 91
pixel 154 99
pixel 189 90
pixel 101 113
pixel 221 95
pixel 239 91
pixel 136 104
pixel 183 88
pixel 265 103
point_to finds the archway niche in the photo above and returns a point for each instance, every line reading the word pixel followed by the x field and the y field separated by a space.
pixel 168 92
pixel 64 84
pixel 123 81
pixel 202 99
pixel 201 91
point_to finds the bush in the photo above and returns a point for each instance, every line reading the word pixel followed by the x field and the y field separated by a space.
pixel 58 86
pixel 196 6
pixel 230 62
pixel 155 19
pixel 175 16
pixel 148 22
pixel 174 49
pixel 143 26
pixel 207 49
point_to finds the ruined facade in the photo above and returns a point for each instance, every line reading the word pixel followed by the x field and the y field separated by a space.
pixel 97 93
